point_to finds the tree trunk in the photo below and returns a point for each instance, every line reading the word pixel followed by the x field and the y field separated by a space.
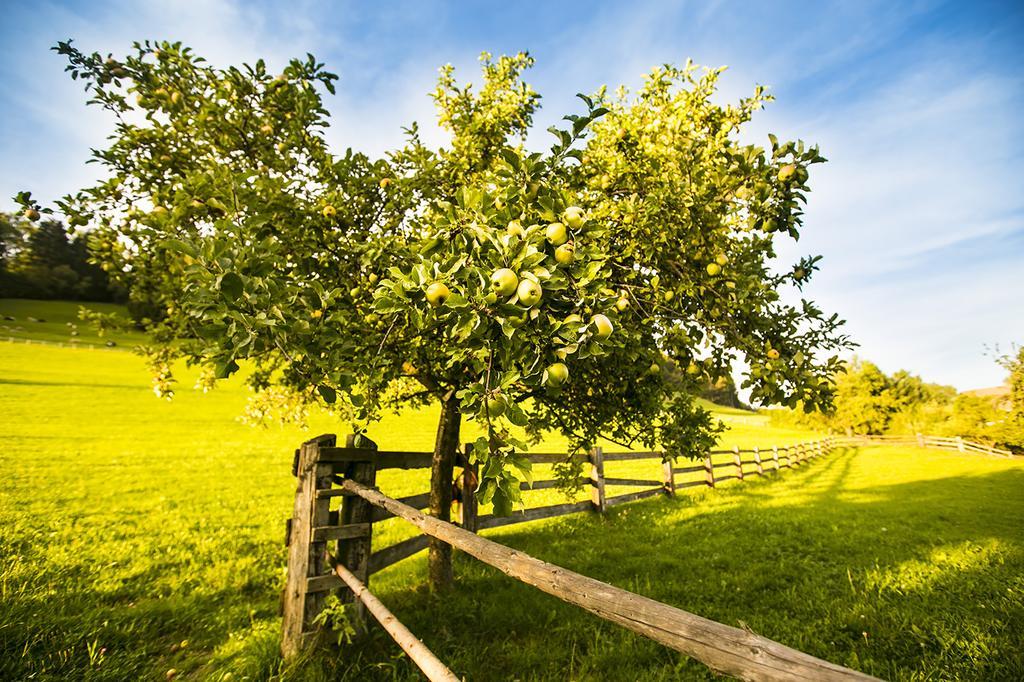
pixel 442 468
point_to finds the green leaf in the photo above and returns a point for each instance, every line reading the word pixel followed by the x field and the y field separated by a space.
pixel 180 246
pixel 231 285
pixel 327 393
pixel 225 369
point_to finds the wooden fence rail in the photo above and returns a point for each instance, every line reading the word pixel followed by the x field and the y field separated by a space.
pixel 940 442
pixel 424 658
pixel 325 472
pixel 722 648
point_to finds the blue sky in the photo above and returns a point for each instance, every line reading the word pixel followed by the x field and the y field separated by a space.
pixel 917 105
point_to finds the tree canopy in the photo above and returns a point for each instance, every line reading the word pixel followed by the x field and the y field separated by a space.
pixel 526 290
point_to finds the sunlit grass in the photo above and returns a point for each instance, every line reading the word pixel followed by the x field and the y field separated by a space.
pixel 139 535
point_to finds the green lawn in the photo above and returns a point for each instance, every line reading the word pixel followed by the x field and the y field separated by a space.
pixel 139 535
pixel 56 322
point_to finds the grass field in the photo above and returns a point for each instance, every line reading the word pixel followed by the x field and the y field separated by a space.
pixel 139 535
pixel 56 322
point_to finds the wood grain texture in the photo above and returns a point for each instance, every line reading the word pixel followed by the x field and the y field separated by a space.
pixel 722 648
pixel 424 658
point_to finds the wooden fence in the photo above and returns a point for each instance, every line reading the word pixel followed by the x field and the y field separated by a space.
pixel 943 443
pixel 325 471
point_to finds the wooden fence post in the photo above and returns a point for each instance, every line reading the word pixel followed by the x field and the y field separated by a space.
pixel 920 440
pixel 960 443
pixel 817 448
pixel 757 461
pixel 709 470
pixel 597 496
pixel 467 488
pixel 738 461
pixel 354 553
pixel 668 477
pixel 305 557
pixel 775 456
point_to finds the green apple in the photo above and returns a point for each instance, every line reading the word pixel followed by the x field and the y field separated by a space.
pixel 267 129
pixel 566 253
pixel 668 295
pixel 372 278
pixel 384 182
pixel 329 212
pixel 721 259
pixel 495 406
pixel 557 234
pixel 504 282
pixel 655 368
pixel 437 294
pixel 771 225
pixel 787 172
pixel 558 373
pixel 602 326
pixel 714 269
pixel 772 354
pixel 622 304
pixel 529 293
pixel 515 229
pixel 573 217
pixel 160 212
pixel 32 214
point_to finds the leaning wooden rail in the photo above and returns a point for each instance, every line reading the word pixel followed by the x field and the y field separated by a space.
pixel 721 647
pixel 424 658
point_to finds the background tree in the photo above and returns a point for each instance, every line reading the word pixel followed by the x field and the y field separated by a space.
pixel 864 401
pixel 45 261
pixel 527 291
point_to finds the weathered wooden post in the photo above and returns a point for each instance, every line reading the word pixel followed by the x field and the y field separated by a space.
pixel 305 557
pixel 920 440
pixel 757 461
pixel 597 496
pixel 775 456
pixel 738 461
pixel 668 477
pixel 709 471
pixel 960 443
pixel 354 553
pixel 467 487
pixel 817 448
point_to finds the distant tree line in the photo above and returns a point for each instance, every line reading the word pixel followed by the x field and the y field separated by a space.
pixel 45 260
pixel 870 402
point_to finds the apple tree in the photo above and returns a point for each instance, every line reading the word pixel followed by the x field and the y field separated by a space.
pixel 588 289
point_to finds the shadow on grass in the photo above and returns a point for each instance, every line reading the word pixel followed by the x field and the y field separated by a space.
pixel 911 580
pixel 919 580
